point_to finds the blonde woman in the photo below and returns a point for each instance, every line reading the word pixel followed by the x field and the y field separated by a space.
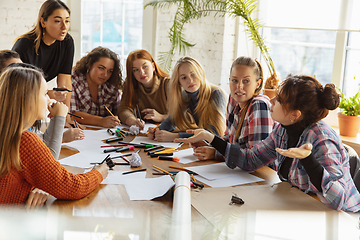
pixel 194 103
pixel 25 161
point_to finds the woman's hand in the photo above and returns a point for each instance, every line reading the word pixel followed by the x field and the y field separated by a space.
pixel 36 199
pixel 165 136
pixel 151 133
pixel 135 121
pixel 57 109
pixel 103 169
pixel 204 153
pixel 152 114
pixel 199 135
pixel 300 153
pixel 110 121
pixel 73 134
pixel 59 96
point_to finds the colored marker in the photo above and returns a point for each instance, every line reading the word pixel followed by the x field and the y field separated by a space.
pixel 114 139
pixel 175 159
pixel 152 148
pixel 112 150
pixel 155 151
pixel 121 149
pixel 160 154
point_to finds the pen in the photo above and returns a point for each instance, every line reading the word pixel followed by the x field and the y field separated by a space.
pixel 109 111
pixel 74 115
pixel 61 89
pixel 175 159
pixel 137 107
pixel 139 170
pixel 111 132
pixel 153 128
pixel 172 172
pixel 76 124
pixel 148 144
pixel 162 170
pixel 114 139
pixel 105 159
pixel 135 113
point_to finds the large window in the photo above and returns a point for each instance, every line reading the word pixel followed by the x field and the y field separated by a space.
pixel 305 37
pixel 299 51
pixel 115 24
pixel 352 65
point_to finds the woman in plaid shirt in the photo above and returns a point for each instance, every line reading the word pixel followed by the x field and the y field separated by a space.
pixel 248 119
pixel 310 154
pixel 96 82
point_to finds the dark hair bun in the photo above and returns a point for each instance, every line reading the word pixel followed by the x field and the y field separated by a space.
pixel 329 97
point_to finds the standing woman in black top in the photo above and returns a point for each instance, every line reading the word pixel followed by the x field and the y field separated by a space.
pixel 50 47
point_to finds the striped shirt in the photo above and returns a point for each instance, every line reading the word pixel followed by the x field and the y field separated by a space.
pixel 338 189
pixel 81 99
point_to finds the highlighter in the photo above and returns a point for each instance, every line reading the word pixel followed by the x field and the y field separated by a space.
pixel 125 148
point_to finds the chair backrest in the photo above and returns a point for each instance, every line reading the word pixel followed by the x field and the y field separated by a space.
pixel 354 160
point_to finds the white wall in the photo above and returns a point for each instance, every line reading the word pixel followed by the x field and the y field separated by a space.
pixel 16 18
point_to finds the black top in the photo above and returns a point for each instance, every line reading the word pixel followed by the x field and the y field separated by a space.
pixel 54 59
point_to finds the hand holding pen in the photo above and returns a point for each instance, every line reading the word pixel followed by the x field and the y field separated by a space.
pixel 110 121
pixel 59 94
pixel 151 132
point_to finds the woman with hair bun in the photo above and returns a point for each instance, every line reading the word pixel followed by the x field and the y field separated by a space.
pixel 309 153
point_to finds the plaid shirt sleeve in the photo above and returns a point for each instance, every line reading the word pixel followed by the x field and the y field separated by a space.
pixel 259 123
pixel 251 159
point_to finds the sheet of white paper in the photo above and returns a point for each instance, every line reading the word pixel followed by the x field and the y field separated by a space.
pixel 186 156
pixel 140 139
pixel 147 126
pixel 83 159
pixel 116 177
pixel 215 171
pixel 148 188
pixel 92 140
pixel 233 180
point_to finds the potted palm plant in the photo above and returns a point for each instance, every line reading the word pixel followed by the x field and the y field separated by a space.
pixel 349 116
pixel 188 10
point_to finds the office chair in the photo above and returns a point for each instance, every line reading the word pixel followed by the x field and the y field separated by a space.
pixel 354 160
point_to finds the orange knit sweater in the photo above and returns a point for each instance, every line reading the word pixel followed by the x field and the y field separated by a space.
pixel 41 170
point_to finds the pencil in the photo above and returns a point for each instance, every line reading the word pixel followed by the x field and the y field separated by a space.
pixel 162 170
pixel 125 159
pixel 109 111
pixel 180 168
pixel 76 124
pixel 74 115
pixel 153 128
pixel 139 170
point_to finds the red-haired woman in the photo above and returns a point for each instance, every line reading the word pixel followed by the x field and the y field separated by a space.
pixel 145 87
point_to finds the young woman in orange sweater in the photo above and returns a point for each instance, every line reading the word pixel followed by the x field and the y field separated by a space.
pixel 25 161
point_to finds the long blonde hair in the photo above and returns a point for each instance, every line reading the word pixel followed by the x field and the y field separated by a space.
pixel 19 91
pixel 206 108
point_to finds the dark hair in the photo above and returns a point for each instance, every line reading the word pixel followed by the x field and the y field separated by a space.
pixel 5 55
pixel 86 62
pixel 46 9
pixel 37 123
pixel 254 64
pixel 306 94
pixel 130 82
